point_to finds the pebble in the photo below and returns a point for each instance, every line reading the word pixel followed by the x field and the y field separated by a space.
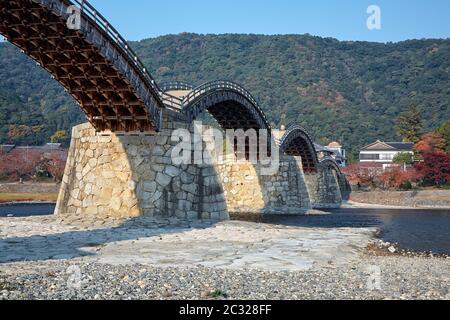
pixel 402 277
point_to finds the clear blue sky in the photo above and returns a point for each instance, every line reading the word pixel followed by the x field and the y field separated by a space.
pixel 341 19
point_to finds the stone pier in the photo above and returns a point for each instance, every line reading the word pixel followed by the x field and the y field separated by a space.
pixel 109 175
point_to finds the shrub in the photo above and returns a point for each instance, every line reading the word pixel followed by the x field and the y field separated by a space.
pixel 407 185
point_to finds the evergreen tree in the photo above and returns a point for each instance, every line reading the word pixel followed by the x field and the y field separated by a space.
pixel 444 131
pixel 409 125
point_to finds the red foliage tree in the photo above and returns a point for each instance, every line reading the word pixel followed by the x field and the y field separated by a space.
pixel 55 166
pixel 396 177
pixel 26 163
pixel 430 142
pixel 23 164
pixel 435 167
pixel 362 175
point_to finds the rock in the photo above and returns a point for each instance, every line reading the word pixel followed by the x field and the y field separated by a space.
pixel 158 151
pixel 172 171
pixel 108 174
pixel 392 249
pixel 88 189
pixel 156 196
pixel 92 163
pixel 150 186
pixel 190 188
pixel 163 179
pixel 116 203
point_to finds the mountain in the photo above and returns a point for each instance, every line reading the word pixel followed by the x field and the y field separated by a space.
pixel 352 92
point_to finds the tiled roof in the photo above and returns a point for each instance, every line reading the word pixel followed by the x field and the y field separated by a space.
pixel 389 146
pixel 334 145
pixel 405 146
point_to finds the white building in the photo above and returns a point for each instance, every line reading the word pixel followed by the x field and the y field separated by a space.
pixel 382 154
pixel 333 150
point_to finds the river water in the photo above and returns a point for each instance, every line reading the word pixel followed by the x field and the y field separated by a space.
pixel 418 230
pixel 423 230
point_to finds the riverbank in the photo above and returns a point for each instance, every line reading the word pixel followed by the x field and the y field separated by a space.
pixel 409 199
pixel 28 192
pixel 172 259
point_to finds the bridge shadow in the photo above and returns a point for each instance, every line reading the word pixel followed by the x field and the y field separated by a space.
pixel 84 243
pixel 87 243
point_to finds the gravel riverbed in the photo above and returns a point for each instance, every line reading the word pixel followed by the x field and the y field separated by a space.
pixel 44 258
pixel 400 278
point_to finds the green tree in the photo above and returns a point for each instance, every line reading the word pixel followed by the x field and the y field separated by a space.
pixel 409 125
pixel 444 131
pixel 351 158
pixel 404 158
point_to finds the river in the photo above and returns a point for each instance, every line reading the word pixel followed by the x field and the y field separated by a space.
pixel 418 230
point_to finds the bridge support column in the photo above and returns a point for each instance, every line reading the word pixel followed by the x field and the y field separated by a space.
pixel 323 188
pixel 312 184
pixel 328 191
pixel 247 191
pixel 131 176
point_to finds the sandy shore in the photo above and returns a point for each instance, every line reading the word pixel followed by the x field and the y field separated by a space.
pixel 42 258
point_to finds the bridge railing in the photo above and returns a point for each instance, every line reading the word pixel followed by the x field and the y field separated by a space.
pixel 103 24
pixel 176 85
pixel 218 85
pixel 222 85
pixel 294 127
pixel 171 102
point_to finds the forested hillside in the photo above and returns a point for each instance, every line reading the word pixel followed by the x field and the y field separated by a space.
pixel 347 91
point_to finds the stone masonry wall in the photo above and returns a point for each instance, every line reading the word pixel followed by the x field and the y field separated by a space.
pixel 130 176
pixel 247 191
pixel 328 193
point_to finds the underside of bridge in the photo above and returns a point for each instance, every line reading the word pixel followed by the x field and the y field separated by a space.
pixel 231 115
pixel 84 61
pixel 297 143
pixel 230 104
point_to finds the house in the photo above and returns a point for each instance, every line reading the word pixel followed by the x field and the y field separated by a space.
pixel 382 154
pixel 339 153
pixel 333 150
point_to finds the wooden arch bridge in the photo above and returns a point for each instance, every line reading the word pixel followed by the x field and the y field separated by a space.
pixel 96 66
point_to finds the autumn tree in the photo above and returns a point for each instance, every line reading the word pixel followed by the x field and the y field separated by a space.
pixel 435 163
pixel 57 136
pixel 430 143
pixel 61 137
pixel 398 178
pixel 409 125
pixel 29 163
pixel 361 175
pixel 435 167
